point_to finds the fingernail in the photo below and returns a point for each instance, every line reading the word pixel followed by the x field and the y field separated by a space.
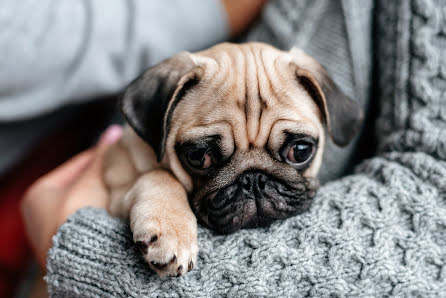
pixel 111 135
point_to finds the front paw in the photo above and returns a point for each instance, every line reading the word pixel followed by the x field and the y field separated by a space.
pixel 167 243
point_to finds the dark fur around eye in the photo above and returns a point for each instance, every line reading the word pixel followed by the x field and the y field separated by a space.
pixel 299 141
pixel 189 154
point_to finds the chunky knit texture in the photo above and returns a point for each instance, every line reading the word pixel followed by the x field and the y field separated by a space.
pixel 377 233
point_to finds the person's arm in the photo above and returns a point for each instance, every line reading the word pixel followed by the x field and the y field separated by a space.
pixel 375 233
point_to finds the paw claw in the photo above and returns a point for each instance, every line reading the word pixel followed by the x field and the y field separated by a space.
pixel 168 245
pixel 179 270
pixel 142 246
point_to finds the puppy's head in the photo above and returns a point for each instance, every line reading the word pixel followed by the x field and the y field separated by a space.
pixel 242 127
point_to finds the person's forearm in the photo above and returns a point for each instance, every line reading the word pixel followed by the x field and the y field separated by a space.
pixel 354 231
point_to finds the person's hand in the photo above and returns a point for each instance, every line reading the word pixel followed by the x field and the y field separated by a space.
pixel 54 197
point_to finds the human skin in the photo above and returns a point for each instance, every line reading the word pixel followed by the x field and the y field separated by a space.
pixel 241 13
pixel 54 197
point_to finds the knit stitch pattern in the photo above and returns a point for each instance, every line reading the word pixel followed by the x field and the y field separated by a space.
pixel 380 232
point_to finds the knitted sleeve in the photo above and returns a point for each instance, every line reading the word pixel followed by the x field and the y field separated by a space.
pixel 379 232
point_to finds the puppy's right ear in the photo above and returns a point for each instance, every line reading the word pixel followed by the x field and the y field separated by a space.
pixel 149 100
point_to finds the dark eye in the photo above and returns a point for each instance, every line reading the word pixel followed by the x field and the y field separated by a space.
pixel 300 152
pixel 199 158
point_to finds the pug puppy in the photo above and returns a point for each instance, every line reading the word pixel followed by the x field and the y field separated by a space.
pixel 232 136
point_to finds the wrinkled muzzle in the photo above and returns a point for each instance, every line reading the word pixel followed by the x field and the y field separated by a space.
pixel 255 199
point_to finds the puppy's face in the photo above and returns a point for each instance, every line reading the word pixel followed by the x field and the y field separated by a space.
pixel 242 127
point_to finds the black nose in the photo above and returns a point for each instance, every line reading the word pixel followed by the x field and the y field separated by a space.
pixel 253 181
pixel 255 199
pixel 247 186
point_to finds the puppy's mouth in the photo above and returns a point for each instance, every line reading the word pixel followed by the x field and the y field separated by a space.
pixel 255 199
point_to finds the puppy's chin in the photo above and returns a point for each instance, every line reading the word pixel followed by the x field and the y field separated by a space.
pixel 254 199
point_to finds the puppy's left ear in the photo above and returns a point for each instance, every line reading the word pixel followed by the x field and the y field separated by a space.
pixel 149 100
pixel 342 115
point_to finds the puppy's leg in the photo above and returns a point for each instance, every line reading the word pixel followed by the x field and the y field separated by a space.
pixel 163 224
pixel 119 176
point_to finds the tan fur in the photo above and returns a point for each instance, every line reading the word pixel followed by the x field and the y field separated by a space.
pixel 249 95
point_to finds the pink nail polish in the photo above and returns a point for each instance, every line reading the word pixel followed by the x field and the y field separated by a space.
pixel 111 135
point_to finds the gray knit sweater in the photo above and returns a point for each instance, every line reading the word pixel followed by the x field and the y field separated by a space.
pixel 377 233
